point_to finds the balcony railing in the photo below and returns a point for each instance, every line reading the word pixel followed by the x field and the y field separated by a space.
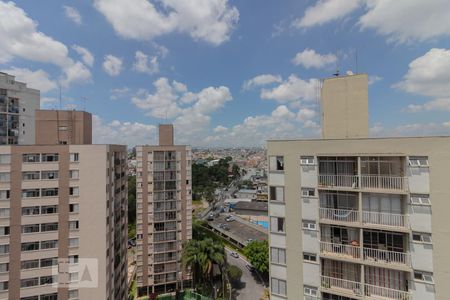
pixel 377 292
pixel 385 219
pixel 391 257
pixel 383 182
pixel 342 215
pixel 350 181
pixel 346 251
pixel 345 286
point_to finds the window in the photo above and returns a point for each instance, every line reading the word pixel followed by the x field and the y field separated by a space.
pixel 50 192
pixel 74 174
pixel 4 195
pixel 49 262
pixel 31 246
pixel 308 192
pixel 31 228
pixel 4 230
pixel 278 286
pixel 29 264
pixel 50 175
pixel 73 259
pixel 278 255
pixel 31 158
pixel 310 291
pixel 277 193
pixel 4 177
pixel 422 237
pixel 74 191
pixel 418 161
pixel 4 249
pixel 74 208
pixel 309 225
pixel 276 163
pixel 49 209
pixel 4 286
pixel 31 175
pixel 28 282
pixel 307 160
pixel 50 157
pixel 309 256
pixel 30 193
pixel 277 224
pixel 424 276
pixel 49 244
pixel 73 225
pixel 74 157
pixel 47 280
pixel 420 199
pixel 49 227
pixel 73 242
pixel 4 267
pixel 31 297
pixel 5 158
pixel 73 294
pixel 4 212
pixel 73 277
pixel 30 210
pixel 53 296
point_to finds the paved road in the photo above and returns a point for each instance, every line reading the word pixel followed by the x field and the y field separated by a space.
pixel 251 285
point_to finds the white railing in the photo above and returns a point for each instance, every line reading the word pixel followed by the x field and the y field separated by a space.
pixel 386 219
pixel 350 181
pixel 342 284
pixel 339 249
pixel 378 292
pixel 391 257
pixel 343 215
pixel 383 182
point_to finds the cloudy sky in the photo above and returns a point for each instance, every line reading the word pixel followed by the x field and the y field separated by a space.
pixel 230 72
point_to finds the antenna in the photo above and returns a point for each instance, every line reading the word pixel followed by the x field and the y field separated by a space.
pixel 84 100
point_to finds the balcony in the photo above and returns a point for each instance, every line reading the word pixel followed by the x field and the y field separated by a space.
pixel 340 250
pixel 341 286
pixel 339 215
pixel 340 181
pixel 382 293
pixel 385 219
pixel 384 182
pixel 387 257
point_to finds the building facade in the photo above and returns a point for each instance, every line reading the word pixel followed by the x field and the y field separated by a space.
pixel 359 218
pixel 17 111
pixel 164 213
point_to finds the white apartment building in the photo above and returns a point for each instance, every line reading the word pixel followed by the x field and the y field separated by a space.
pixel 17 111
pixel 353 217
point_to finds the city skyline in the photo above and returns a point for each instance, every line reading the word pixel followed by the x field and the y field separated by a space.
pixel 234 74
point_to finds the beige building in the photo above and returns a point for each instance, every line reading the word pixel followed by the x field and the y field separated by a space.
pixel 63 221
pixel 353 217
pixel 18 104
pixel 164 213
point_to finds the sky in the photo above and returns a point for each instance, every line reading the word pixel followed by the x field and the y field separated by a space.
pixel 230 72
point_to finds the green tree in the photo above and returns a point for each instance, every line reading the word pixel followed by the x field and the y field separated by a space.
pixel 236 171
pixel 234 274
pixel 257 253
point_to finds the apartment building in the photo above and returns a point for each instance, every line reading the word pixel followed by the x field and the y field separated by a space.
pixel 353 217
pixel 63 221
pixel 18 104
pixel 164 213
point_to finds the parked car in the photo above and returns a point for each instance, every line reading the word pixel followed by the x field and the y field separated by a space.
pixel 250 268
pixel 210 217
pixel 249 241
pixel 230 219
pixel 234 254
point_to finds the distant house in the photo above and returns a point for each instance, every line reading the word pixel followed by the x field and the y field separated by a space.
pixel 246 193
pixel 251 208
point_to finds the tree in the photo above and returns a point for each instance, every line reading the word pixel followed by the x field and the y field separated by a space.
pixel 257 253
pixel 236 171
pixel 234 274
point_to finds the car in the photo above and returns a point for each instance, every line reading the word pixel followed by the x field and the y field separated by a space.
pixel 234 254
pixel 230 219
pixel 226 227
pixel 250 268
pixel 210 217
pixel 220 225
pixel 249 241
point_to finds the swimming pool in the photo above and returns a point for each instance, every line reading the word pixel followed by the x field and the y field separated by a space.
pixel 264 224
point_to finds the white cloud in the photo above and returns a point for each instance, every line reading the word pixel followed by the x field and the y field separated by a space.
pixel 85 54
pixel 374 79
pixel 143 64
pixel 259 80
pixel 73 14
pixel 408 20
pixel 293 89
pixel 46 101
pixel 112 65
pixel 117 132
pixel 429 74
pixel 20 38
pixel 211 21
pixel 325 11
pixel 38 79
pixel 306 114
pixel 220 129
pixel 414 129
pixel 442 104
pixel 310 59
pixel 119 93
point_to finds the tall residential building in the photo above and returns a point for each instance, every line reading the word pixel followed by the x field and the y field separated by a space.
pixel 17 111
pixel 353 217
pixel 164 213
pixel 63 221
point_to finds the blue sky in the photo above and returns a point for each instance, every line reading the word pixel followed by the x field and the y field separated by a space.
pixel 230 72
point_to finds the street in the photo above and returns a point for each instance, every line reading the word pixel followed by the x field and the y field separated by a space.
pixel 252 287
